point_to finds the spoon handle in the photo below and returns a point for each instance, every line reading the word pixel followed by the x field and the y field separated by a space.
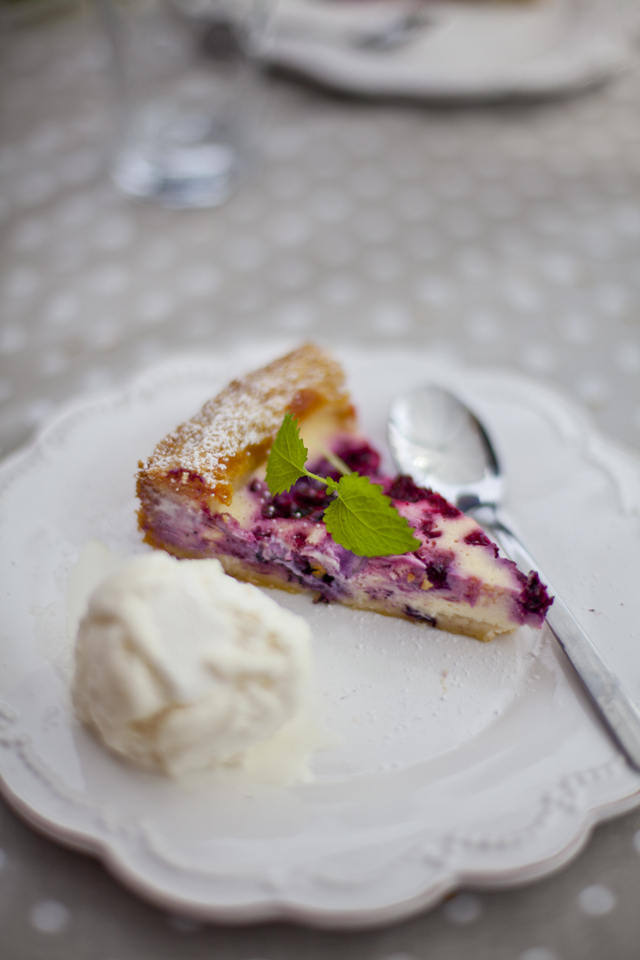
pixel 616 708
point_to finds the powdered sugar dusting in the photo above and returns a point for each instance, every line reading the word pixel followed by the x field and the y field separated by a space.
pixel 247 414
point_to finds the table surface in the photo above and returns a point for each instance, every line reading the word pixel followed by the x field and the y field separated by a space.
pixel 500 235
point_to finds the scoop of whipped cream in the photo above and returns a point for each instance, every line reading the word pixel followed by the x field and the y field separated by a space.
pixel 179 667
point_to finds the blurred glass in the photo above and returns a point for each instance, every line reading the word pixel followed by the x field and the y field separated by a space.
pixel 187 94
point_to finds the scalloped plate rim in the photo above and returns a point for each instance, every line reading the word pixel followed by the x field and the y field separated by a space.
pixel 273 907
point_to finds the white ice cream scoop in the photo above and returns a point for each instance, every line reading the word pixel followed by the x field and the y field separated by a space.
pixel 180 667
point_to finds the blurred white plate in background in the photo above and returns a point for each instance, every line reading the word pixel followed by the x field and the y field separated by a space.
pixel 453 51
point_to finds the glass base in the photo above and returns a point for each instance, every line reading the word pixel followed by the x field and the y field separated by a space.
pixel 181 158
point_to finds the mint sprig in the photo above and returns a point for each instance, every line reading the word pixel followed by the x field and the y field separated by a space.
pixel 287 458
pixel 361 518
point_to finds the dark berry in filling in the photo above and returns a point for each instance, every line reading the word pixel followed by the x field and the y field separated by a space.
pixel 357 456
pixel 428 529
pixel 534 598
pixel 480 539
pixel 417 615
pixel 307 499
pixel 260 488
pixel 403 488
pixel 442 506
pixel 360 457
pixel 436 570
pixel 306 570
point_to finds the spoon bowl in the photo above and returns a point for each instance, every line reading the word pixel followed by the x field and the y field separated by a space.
pixel 440 443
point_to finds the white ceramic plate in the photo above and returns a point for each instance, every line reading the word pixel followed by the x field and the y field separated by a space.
pixel 466 51
pixel 457 762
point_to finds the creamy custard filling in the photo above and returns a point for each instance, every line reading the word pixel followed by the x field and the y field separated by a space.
pixel 281 540
pixel 203 494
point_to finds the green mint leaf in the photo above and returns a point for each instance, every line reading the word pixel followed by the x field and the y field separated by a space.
pixel 287 458
pixel 363 520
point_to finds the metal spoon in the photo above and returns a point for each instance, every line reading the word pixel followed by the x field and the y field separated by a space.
pixel 439 442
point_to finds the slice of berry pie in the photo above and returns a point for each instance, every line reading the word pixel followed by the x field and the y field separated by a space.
pixel 203 494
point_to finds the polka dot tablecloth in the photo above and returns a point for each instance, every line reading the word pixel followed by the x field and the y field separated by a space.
pixel 500 235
